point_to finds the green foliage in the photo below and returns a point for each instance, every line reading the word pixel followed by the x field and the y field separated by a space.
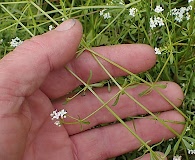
pixel 176 41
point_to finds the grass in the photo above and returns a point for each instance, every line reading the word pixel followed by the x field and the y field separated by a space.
pixel 176 41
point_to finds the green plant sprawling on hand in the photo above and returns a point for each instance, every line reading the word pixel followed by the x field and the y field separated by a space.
pixel 165 25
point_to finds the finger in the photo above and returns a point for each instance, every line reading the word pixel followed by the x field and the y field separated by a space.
pixel 83 106
pixel 25 69
pixel 106 142
pixel 159 155
pixel 134 57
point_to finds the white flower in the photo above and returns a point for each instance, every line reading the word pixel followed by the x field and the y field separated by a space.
pixel 156 21
pixel 55 115
pixel 63 114
pixel 157 50
pixel 181 13
pixel 102 12
pixel 189 8
pixel 177 158
pixel 158 9
pixel 183 10
pixel 132 11
pixel 58 115
pixel 63 19
pixel 57 123
pixel 106 15
pixel 51 27
pixel 187 16
pixel 15 42
pixel 152 23
pixel 159 21
pixel 188 128
pixel 189 1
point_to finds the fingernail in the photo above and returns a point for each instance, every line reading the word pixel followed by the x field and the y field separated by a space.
pixel 66 25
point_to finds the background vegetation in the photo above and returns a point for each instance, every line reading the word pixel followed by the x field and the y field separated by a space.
pixel 109 22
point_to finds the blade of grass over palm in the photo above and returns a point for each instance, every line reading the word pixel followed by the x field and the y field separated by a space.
pixel 155 145
pixel 142 146
pixel 112 112
pixel 149 89
pixel 105 70
pixel 106 103
pixel 171 103
pixel 90 76
pixel 118 66
pixel 116 101
pixel 152 114
pixel 139 102
pixel 131 97
pixel 146 92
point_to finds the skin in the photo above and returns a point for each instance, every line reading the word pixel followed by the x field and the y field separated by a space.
pixel 33 75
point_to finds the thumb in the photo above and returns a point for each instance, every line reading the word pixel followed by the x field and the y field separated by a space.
pixel 23 70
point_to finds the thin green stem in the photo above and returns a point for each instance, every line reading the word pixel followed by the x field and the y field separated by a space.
pixel 17 20
pixel 118 66
pixel 45 13
pixel 137 102
pixel 124 8
pixel 56 9
pixel 113 113
pixel 170 49
pixel 19 2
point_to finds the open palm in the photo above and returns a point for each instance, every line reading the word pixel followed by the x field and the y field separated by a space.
pixel 33 82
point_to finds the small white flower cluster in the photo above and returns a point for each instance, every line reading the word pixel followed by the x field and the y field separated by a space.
pixel 15 42
pixel 50 27
pixel 105 15
pixel 59 116
pixel 158 9
pixel 177 157
pixel 187 128
pixel 181 13
pixel 157 50
pixel 156 21
pixel 132 12
pixel 191 151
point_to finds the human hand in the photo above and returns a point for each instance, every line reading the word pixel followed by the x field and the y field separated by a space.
pixel 34 73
